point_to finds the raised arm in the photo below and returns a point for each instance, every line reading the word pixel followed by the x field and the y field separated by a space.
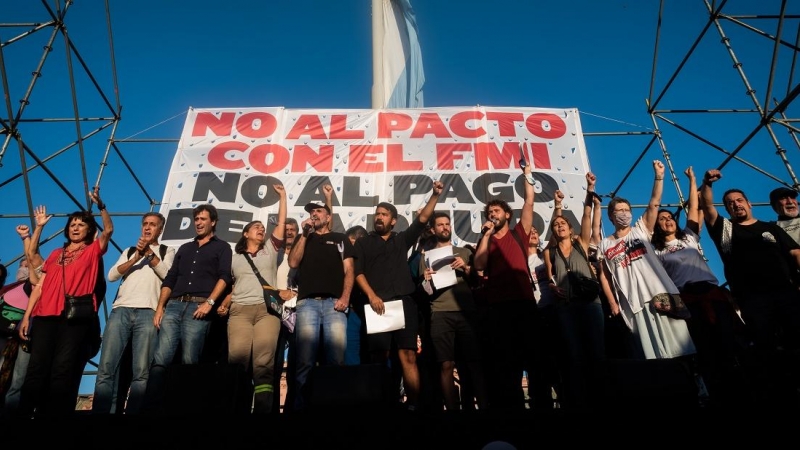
pixel 108 226
pixel 427 211
pixel 586 219
pixel 24 233
pixel 35 259
pixel 597 218
pixel 651 214
pixel 327 190
pixel 280 227
pixel 558 199
pixel 693 213
pixel 710 213
pixel 526 217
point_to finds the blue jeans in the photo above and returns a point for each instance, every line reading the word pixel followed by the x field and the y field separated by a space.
pixel 581 326
pixel 17 378
pixel 124 325
pixel 352 354
pixel 179 327
pixel 311 314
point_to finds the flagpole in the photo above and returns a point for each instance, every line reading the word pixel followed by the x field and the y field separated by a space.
pixel 377 55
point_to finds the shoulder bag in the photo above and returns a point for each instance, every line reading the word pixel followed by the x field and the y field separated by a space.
pixel 76 307
pixel 273 299
pixel 580 286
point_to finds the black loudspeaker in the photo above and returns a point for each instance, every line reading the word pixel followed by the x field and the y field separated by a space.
pixel 648 384
pixel 359 387
pixel 192 390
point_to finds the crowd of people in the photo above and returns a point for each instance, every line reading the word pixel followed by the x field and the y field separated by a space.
pixel 474 321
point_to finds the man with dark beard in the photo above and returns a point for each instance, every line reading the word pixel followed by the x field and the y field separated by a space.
pixel 509 320
pixel 453 318
pixel 383 274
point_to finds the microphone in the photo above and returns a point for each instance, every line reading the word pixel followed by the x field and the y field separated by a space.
pixel 485 229
pixel 307 228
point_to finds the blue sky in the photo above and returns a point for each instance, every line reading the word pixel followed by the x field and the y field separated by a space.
pixel 593 56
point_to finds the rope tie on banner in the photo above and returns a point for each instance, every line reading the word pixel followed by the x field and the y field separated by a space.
pixel 615 120
pixel 153 126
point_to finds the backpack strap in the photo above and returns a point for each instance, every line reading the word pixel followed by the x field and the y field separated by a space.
pixel 273 292
pixel 524 255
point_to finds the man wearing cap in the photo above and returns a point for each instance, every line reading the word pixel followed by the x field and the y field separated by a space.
pixel 324 263
pixel 784 202
pixel 760 261
pixel 383 274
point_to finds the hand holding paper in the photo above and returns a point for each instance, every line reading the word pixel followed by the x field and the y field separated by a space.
pixel 393 318
pixel 439 260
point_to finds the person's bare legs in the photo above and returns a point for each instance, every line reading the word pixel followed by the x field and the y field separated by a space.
pixel 408 361
pixel 449 391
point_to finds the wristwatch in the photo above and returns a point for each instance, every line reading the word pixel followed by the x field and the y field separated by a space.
pixel 210 301
pixel 150 257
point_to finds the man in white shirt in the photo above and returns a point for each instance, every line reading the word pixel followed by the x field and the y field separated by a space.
pixel 141 268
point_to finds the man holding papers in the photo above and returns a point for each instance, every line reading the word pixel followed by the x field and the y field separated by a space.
pixel 383 275
pixel 453 312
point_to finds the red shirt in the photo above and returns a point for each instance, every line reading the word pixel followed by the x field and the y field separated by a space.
pixel 507 269
pixel 78 279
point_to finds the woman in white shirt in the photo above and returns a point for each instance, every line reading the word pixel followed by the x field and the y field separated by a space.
pixel 714 322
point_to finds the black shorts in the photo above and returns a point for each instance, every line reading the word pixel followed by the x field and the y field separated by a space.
pixel 454 336
pixel 404 338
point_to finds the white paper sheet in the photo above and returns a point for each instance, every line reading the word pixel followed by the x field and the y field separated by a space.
pixel 439 259
pixel 392 319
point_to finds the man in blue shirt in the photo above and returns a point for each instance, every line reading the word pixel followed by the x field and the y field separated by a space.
pixel 199 275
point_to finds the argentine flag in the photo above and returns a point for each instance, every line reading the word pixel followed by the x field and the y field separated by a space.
pixel 403 76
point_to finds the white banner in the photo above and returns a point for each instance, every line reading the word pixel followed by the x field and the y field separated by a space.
pixel 231 157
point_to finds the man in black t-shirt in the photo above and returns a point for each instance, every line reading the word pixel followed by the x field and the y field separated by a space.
pixel 324 263
pixel 383 274
pixel 761 263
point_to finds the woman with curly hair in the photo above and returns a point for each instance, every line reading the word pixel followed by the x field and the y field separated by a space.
pixel 713 322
